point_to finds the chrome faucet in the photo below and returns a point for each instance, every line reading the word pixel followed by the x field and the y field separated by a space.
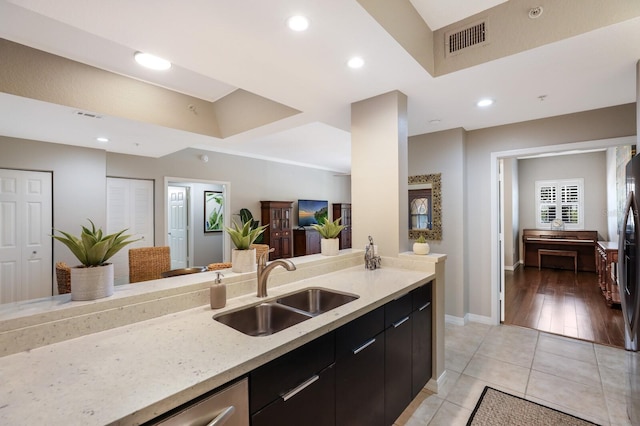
pixel 371 260
pixel 264 270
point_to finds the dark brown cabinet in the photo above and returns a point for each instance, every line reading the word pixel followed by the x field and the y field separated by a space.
pixel 422 338
pixel 296 388
pixel 343 210
pixel 364 373
pixel 360 371
pixel 305 241
pixel 397 357
pixel 279 235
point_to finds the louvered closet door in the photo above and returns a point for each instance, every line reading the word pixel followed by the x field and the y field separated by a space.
pixel 129 206
pixel 26 269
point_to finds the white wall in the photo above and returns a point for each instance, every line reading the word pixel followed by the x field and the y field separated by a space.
pixel 592 167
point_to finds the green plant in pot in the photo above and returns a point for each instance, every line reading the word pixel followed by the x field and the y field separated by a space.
pixel 329 231
pixel 94 279
pixel 420 246
pixel 243 257
pixel 246 216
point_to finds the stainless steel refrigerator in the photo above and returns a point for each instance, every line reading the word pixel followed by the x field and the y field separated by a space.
pixel 629 286
pixel 628 259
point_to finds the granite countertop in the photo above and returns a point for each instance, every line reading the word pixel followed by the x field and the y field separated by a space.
pixel 130 374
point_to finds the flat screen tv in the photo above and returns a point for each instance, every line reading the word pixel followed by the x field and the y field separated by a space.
pixel 311 212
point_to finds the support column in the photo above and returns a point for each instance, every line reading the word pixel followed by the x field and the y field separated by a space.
pixel 379 173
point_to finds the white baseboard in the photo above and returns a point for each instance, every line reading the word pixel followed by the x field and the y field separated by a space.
pixel 514 267
pixel 454 320
pixel 479 319
pixel 434 385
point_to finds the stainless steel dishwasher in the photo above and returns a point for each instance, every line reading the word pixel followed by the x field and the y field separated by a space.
pixel 228 406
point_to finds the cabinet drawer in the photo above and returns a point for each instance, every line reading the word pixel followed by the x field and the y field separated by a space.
pixel 421 296
pixel 274 379
pixel 397 309
pixel 352 336
pixel 311 404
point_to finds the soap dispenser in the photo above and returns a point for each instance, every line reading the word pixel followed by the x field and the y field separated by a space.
pixel 218 293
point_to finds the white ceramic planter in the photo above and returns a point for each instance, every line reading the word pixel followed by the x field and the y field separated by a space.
pixel 91 283
pixel 329 246
pixel 243 260
pixel 421 248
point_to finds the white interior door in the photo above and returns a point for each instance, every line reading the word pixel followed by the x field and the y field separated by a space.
pixel 178 225
pixel 26 267
pixel 129 206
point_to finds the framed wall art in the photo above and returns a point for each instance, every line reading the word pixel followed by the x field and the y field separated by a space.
pixel 213 209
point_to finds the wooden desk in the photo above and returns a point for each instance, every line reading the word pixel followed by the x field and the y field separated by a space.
pixel 580 242
pixel 607 265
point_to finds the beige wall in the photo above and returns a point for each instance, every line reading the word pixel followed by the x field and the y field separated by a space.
pixel 475 168
pixel 443 152
pixel 379 172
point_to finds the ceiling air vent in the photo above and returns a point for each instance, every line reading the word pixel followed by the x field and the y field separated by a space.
pixel 473 35
pixel 87 114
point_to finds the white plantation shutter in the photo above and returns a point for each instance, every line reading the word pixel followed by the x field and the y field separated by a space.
pixel 561 199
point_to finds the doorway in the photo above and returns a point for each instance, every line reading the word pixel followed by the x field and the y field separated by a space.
pixel 26 206
pixel 499 224
pixel 191 243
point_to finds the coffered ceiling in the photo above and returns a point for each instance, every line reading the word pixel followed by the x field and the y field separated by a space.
pixel 576 55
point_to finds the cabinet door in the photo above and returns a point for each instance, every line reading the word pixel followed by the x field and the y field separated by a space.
pixel 398 347
pixel 421 362
pixel 311 403
pixel 276 378
pixel 360 385
pixel 360 370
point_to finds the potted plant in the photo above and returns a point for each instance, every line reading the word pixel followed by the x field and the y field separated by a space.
pixel 243 257
pixel 329 232
pixel 94 278
pixel 421 246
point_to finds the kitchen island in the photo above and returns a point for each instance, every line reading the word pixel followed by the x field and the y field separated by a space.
pixel 132 373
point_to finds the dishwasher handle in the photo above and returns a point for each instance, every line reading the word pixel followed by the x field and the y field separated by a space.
pixel 222 417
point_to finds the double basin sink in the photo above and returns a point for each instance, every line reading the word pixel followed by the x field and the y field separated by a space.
pixel 270 317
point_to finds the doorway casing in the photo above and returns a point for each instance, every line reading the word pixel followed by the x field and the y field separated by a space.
pixel 497 222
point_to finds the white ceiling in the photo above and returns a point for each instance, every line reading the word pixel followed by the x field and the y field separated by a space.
pixel 220 45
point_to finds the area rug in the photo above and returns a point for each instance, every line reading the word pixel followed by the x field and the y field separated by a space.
pixel 496 408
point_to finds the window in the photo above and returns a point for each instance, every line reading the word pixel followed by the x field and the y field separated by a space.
pixel 560 199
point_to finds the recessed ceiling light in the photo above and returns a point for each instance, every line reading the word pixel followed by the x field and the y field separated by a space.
pixel 102 139
pixel 356 62
pixel 153 62
pixel 484 102
pixel 298 23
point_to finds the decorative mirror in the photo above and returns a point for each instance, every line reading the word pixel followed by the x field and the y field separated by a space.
pixel 425 210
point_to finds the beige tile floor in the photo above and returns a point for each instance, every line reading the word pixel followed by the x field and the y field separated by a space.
pixel 584 379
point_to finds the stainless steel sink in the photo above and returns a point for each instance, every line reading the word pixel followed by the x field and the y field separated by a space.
pixel 316 300
pixel 263 319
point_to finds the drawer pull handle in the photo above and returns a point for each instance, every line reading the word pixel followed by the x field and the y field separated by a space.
pixel 363 347
pixel 300 388
pixel 399 323
pixel 222 417
pixel 425 306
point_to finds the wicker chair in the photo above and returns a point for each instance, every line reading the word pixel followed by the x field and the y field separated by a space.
pixel 63 276
pixel 148 263
pixel 219 265
pixel 260 248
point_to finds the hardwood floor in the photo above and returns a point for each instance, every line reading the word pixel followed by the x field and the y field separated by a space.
pixel 562 302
